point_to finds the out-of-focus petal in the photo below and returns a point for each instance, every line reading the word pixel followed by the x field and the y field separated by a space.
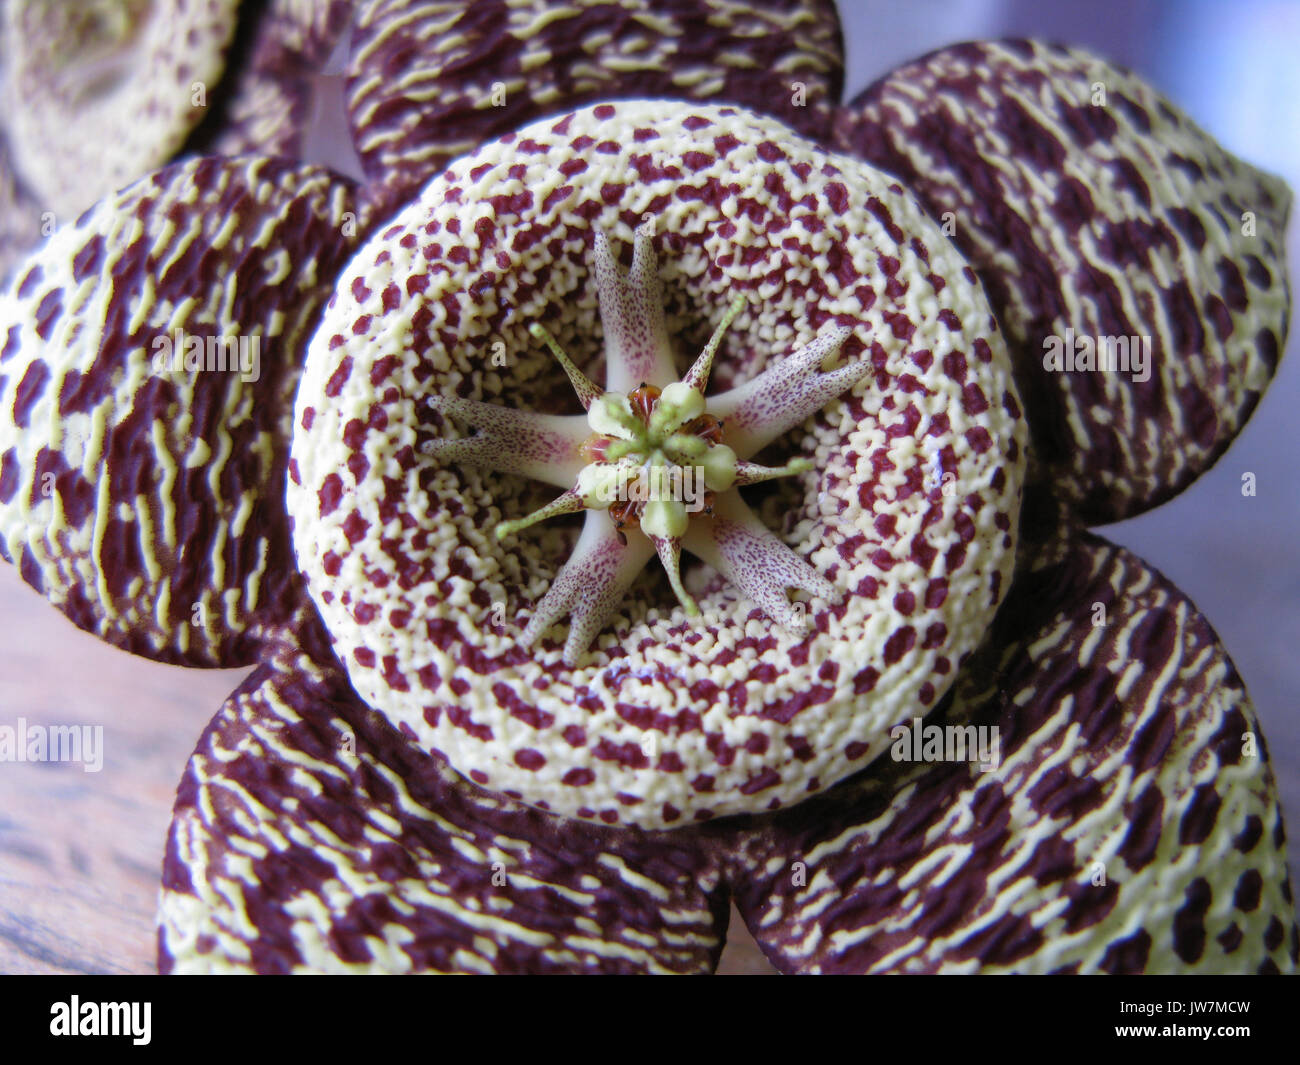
pixel 430 81
pixel 265 103
pixel 20 217
pixel 1132 823
pixel 308 835
pixel 98 93
pixel 1101 221
pixel 149 356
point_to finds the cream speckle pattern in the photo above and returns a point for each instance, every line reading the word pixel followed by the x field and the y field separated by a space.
pixel 910 512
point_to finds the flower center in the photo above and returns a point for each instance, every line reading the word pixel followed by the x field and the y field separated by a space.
pixel 657 457
pixel 661 461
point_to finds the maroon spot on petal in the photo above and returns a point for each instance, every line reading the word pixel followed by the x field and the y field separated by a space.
pixel 355 527
pixel 1199 819
pixel 768 778
pixel 1189 921
pixel 31 280
pixel 1250 886
pixel 899 643
pixel 1127 956
pixel 530 759
pixel 865 680
pixel 9 475
pixel 1251 833
pixel 29 390
pixel 331 492
pixel 339 378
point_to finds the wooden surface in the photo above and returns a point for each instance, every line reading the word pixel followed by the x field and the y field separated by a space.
pixel 81 853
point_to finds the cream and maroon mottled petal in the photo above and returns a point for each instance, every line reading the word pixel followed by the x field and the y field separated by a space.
pixel 265 103
pixel 430 81
pixel 1132 824
pixel 308 836
pixel 1093 208
pixel 909 511
pixel 100 92
pixel 149 356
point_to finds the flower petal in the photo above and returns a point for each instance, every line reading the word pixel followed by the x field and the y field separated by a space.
pixel 1132 824
pixel 430 82
pixel 101 94
pixel 1096 213
pixel 308 835
pixel 264 104
pixel 20 217
pixel 911 513
pixel 149 356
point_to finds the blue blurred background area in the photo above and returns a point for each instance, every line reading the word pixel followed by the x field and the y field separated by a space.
pixel 1234 67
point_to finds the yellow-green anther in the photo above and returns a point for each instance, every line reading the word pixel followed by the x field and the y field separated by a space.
pixel 588 392
pixel 612 415
pixel 692 447
pixel 598 483
pixel 678 404
pixel 665 518
pixel 568 503
pixel 719 465
pixel 621 448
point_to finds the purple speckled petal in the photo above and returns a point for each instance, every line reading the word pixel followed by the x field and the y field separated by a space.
pixel 308 835
pixel 756 561
pixel 1129 822
pixel 589 586
pixel 542 446
pixel 1108 231
pixel 430 81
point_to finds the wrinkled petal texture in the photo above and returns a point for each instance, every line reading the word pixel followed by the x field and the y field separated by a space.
pixel 149 356
pixel 101 92
pixel 268 97
pixel 910 513
pixel 430 81
pixel 1133 825
pixel 1116 219
pixel 309 836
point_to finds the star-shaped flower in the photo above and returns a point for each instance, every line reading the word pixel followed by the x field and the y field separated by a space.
pixel 480 741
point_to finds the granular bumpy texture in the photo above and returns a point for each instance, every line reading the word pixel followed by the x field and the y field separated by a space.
pixel 1131 826
pixel 1089 203
pixel 147 371
pixel 909 512
pixel 433 79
